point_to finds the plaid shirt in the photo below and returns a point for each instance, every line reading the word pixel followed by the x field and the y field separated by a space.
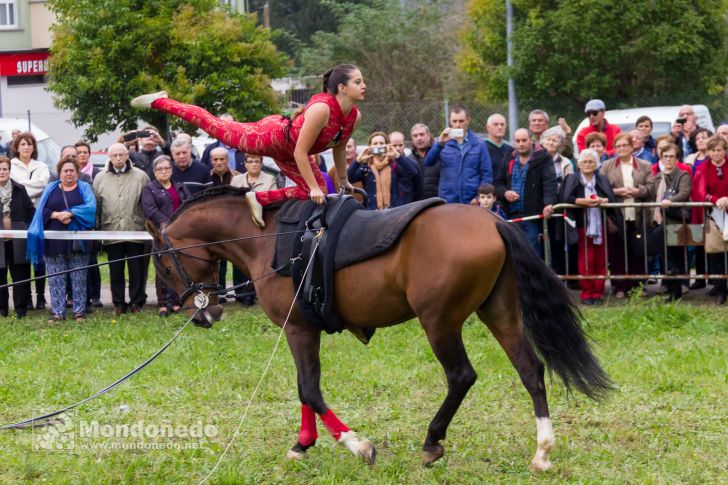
pixel 518 185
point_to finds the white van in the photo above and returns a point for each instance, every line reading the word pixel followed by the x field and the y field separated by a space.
pixel 662 118
pixel 49 152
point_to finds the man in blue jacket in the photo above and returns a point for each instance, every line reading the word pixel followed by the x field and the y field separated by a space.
pixel 464 161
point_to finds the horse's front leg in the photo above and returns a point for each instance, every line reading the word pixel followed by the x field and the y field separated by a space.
pixel 305 343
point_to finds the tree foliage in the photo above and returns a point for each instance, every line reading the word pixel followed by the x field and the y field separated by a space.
pixel 295 22
pixel 107 51
pixel 585 48
pixel 406 50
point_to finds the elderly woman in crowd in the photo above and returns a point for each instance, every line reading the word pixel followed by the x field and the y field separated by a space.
pixel 699 138
pixel 160 199
pixel 18 211
pixel 254 177
pixel 34 176
pixel 711 185
pixel 553 141
pixel 598 142
pixel 632 181
pixel 672 185
pixel 67 204
pixel 377 170
pixel 589 189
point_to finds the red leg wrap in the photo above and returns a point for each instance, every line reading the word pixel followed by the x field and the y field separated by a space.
pixel 333 424
pixel 308 433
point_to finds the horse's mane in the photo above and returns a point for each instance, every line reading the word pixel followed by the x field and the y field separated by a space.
pixel 207 194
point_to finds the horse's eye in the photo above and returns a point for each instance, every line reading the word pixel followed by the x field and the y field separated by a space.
pixel 168 270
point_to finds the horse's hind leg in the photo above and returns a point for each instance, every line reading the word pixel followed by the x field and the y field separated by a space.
pixel 501 314
pixel 460 375
pixel 305 345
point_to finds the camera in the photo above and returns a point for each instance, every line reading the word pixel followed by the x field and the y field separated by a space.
pixel 378 150
pixel 457 133
pixel 681 121
pixel 136 134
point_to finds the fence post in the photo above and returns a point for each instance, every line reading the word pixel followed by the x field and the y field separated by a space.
pixel 447 112
pixel 29 120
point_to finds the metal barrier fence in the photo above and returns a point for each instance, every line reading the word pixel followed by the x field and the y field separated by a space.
pixel 684 235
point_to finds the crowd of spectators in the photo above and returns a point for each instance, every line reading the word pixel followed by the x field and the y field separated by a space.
pixel 146 177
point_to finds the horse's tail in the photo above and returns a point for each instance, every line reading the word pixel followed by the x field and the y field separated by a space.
pixel 551 319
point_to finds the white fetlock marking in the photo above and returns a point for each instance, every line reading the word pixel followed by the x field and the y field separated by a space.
pixel 349 439
pixel 294 455
pixel 545 442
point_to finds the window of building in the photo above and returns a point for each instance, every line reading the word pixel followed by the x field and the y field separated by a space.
pixel 8 14
pixel 26 80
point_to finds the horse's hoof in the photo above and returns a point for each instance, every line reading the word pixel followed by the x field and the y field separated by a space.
pixel 295 455
pixel 540 465
pixel 432 453
pixel 367 451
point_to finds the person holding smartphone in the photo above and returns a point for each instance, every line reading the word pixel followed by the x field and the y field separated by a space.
pixel 685 125
pixel 464 161
pixel 327 121
pixel 378 170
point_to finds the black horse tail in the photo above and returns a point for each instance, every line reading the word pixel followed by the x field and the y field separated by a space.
pixel 551 319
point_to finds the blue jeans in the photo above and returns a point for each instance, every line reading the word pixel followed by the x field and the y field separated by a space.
pixel 532 229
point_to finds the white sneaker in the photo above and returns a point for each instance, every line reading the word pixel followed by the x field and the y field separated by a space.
pixel 145 100
pixel 256 210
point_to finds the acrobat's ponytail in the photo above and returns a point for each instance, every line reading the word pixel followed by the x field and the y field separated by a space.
pixel 337 75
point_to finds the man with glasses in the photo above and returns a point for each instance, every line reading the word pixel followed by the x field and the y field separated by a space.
pixel 594 110
pixel 685 125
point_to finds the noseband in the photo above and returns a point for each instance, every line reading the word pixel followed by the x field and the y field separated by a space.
pixel 192 287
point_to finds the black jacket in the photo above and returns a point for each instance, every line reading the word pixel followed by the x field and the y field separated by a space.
pixel 498 155
pixel 430 175
pixel 157 204
pixel 572 189
pixel 540 189
pixel 21 213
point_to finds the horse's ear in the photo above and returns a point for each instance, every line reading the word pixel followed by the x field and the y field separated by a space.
pixel 153 231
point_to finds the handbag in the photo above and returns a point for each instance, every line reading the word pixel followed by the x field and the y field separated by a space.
pixel 679 213
pixel 714 242
pixel 76 245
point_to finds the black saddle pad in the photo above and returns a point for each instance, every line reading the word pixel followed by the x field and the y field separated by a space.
pixel 365 235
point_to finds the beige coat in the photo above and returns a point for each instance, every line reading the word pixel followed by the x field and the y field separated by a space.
pixel 118 199
pixel 265 182
pixel 643 180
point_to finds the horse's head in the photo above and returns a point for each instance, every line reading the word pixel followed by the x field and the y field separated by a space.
pixel 190 272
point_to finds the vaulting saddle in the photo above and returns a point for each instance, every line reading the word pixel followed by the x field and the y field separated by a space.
pixel 346 234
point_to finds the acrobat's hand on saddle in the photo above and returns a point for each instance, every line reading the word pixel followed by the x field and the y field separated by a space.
pixel 345 186
pixel 317 195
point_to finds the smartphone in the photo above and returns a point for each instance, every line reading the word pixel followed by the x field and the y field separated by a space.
pixel 143 134
pixel 130 136
pixel 457 133
pixel 378 150
pixel 681 121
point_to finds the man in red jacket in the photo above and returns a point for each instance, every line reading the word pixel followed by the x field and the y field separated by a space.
pixel 594 110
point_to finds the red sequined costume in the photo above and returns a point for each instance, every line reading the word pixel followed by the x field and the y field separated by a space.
pixel 274 136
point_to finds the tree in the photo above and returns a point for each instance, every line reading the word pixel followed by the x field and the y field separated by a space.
pixel 295 22
pixel 105 52
pixel 589 48
pixel 406 50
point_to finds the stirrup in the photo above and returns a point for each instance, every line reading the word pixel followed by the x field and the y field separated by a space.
pixel 256 210
pixel 146 100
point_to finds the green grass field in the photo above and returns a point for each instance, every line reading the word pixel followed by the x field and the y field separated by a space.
pixel 666 422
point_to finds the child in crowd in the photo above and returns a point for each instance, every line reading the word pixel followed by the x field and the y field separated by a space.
pixel 487 200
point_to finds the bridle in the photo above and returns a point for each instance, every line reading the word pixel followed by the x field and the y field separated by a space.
pixel 192 287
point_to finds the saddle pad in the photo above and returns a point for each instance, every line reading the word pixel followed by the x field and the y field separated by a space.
pixel 370 233
pixel 365 235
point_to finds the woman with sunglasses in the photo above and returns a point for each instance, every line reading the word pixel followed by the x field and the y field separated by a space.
pixel 711 185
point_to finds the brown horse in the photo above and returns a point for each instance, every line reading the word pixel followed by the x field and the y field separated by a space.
pixel 450 261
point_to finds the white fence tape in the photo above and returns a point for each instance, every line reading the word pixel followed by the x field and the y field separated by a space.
pixel 83 235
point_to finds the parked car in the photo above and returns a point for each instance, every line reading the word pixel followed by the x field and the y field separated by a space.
pixel 662 118
pixel 99 159
pixel 49 152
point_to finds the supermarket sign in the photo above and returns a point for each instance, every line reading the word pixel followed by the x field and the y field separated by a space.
pixel 23 63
